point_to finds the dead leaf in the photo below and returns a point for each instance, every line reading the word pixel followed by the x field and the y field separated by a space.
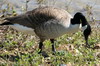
pixel 97 46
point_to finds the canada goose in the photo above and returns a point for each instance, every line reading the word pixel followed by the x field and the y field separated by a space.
pixel 49 23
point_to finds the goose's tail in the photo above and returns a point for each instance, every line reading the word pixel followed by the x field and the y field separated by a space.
pixel 7 21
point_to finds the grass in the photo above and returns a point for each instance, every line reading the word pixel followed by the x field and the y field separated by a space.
pixel 19 49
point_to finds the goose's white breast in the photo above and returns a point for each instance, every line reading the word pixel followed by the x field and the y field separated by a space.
pixel 23 29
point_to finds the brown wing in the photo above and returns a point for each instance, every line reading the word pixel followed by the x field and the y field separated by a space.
pixel 45 14
pixel 39 16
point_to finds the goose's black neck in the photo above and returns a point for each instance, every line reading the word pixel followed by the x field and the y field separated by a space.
pixel 79 18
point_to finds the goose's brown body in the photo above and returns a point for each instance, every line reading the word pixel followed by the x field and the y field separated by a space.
pixel 46 22
pixel 49 23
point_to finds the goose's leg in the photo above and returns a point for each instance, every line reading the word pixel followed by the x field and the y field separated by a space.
pixel 53 46
pixel 44 54
pixel 40 46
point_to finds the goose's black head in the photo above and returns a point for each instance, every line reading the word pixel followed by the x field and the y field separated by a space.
pixel 79 18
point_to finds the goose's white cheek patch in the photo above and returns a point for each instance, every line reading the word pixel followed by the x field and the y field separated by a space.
pixel 23 29
pixel 84 27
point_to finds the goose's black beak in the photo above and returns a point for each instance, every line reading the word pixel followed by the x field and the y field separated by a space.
pixel 86 34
